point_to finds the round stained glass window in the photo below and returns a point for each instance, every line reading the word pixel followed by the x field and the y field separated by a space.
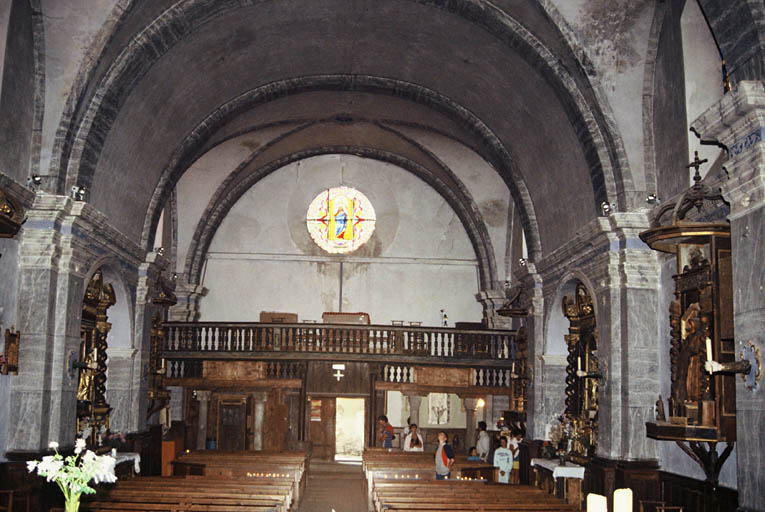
pixel 340 220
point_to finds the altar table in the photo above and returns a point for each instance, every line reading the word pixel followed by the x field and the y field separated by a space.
pixel 565 482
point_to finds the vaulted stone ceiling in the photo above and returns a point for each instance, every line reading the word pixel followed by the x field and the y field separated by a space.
pixel 174 80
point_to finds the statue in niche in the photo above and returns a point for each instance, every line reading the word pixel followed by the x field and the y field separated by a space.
pixel 87 372
pixel 691 357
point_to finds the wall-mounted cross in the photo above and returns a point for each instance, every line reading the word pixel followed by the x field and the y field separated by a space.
pixel 338 375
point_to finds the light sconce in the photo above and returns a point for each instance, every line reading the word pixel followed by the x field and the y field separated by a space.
pixel 78 193
pixel 652 199
pixel 34 181
pixel 522 262
pixel 606 208
pixel 160 251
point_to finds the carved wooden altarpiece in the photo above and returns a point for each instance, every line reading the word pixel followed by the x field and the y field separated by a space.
pixel 702 406
pixel 92 409
pixel 583 373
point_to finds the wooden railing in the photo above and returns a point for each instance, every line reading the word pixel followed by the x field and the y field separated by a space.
pixel 217 340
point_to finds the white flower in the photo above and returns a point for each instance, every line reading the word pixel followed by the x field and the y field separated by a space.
pixel 31 465
pixel 79 445
pixel 53 444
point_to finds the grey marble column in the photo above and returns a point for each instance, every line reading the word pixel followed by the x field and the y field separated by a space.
pixel 414 408
pixel 204 402
pixel 187 308
pixel 491 301
pixel 470 404
pixel 260 412
pixel 738 121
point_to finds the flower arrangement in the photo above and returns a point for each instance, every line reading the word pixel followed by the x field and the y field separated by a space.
pixel 73 473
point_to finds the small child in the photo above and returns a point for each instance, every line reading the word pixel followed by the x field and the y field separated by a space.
pixel 473 454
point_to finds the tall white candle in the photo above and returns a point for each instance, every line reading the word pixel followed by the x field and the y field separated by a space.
pixel 579 363
pixel 596 503
pixel 709 349
pixel 623 500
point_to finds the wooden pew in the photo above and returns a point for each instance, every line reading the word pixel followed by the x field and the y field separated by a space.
pixel 398 481
pixel 245 464
pixel 173 494
pixel 425 496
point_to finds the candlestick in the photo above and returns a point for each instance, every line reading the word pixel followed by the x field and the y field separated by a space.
pixel 596 503
pixel 623 500
pixel 709 349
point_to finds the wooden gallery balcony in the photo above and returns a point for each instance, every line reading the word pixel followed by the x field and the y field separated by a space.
pixel 497 357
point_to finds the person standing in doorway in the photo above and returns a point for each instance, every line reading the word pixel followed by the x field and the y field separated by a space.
pixel 444 457
pixel 484 442
pixel 386 432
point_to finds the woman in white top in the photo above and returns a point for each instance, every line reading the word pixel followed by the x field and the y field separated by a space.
pixel 413 441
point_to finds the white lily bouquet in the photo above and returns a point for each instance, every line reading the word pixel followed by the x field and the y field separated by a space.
pixel 73 473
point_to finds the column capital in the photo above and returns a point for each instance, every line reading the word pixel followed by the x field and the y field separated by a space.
pixel 492 300
pixel 259 396
pixel 203 395
pixel 470 404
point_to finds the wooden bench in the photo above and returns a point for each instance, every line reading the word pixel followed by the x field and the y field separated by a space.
pixel 245 464
pixel 426 496
pixel 174 494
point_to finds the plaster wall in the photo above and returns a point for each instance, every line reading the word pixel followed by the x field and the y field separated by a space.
pixel 703 77
pixel 483 183
pixel 418 261
pixel 199 183
pixel 17 101
pixel 71 28
pixel 612 38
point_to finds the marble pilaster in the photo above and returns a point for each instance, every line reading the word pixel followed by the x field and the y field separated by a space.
pixel 259 418
pixel 64 241
pixel 738 121
pixel 471 405
pixel 204 403
pixel 189 296
pixel 414 408
pixel 622 274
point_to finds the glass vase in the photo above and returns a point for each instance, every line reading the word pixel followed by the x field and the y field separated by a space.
pixel 73 504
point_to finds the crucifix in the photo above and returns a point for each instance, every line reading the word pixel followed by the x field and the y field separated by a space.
pixel 696 164
pixel 338 371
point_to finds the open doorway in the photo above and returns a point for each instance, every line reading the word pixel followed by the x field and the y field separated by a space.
pixel 349 429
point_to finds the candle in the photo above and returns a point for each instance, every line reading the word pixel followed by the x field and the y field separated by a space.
pixel 579 363
pixel 596 503
pixel 513 368
pixel 623 500
pixel 709 349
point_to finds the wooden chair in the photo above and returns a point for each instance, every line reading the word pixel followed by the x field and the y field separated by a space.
pixel 658 506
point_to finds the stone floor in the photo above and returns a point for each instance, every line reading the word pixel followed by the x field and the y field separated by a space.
pixel 332 486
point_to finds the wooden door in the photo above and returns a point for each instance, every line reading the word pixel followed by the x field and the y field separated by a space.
pixel 232 424
pixel 321 428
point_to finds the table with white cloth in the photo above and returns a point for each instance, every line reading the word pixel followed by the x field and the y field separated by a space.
pixel 125 457
pixel 565 482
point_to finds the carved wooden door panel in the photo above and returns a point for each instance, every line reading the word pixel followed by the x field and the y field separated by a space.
pixel 232 424
pixel 321 428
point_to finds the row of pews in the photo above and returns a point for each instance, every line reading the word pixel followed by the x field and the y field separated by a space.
pixel 212 482
pixel 405 482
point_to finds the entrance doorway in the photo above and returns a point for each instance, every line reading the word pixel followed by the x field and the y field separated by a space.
pixel 349 429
